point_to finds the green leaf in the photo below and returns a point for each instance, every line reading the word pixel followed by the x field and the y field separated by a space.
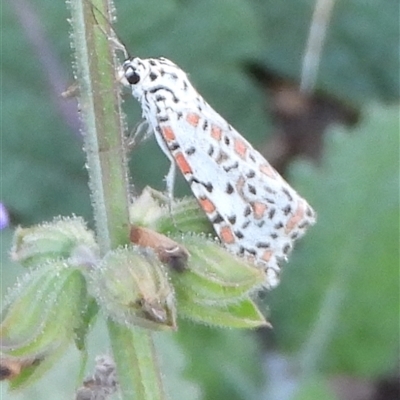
pixel 243 314
pixel 337 306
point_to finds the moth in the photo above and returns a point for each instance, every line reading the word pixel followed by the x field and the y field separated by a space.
pixel 254 211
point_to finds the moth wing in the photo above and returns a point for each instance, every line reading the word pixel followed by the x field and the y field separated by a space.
pixel 254 211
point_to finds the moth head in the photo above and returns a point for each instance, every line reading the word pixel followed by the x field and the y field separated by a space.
pixel 134 72
pixel 143 75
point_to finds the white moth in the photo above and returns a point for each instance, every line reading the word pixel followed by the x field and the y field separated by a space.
pixel 254 211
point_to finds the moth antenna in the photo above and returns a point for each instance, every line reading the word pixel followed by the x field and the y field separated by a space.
pixel 115 39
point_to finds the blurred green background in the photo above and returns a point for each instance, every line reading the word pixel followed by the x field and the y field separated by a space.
pixel 336 312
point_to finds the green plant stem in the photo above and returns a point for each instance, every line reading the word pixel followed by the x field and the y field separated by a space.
pixel 95 69
pixel 132 346
pixel 101 112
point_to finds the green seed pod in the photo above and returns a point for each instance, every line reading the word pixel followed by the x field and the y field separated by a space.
pixel 146 209
pixel 43 310
pixel 214 276
pixel 60 238
pixel 185 215
pixel 39 319
pixel 152 209
pixel 131 286
pixel 243 314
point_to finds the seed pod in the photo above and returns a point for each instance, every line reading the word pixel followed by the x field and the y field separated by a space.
pixel 60 238
pixel 132 288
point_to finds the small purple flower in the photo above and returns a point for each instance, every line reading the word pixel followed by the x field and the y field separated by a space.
pixel 4 217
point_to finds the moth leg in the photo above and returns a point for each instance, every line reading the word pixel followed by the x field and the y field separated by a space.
pixel 170 177
pixel 170 180
pixel 140 133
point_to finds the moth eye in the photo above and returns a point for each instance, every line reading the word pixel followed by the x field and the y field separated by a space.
pixel 132 76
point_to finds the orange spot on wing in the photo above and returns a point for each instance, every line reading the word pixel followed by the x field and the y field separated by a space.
pixel 258 209
pixel 240 148
pixel 168 133
pixel 193 119
pixel 295 219
pixel 266 255
pixel 266 169
pixel 207 205
pixel 226 235
pixel 182 163
pixel 216 132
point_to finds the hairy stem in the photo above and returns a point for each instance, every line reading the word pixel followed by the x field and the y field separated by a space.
pixel 95 68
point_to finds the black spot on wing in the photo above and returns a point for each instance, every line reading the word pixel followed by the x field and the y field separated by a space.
pixel 262 245
pixel 271 213
pixel 207 185
pixel 173 146
pixel 286 249
pixel 252 252
pixel 229 188
pixel 190 151
pixel 303 225
pixel 217 219
pixel 232 219
pixel 239 234
pixel 156 89
pixel 288 195
pixel 230 167
pixel 286 210
pixel 246 224
pixel 252 189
